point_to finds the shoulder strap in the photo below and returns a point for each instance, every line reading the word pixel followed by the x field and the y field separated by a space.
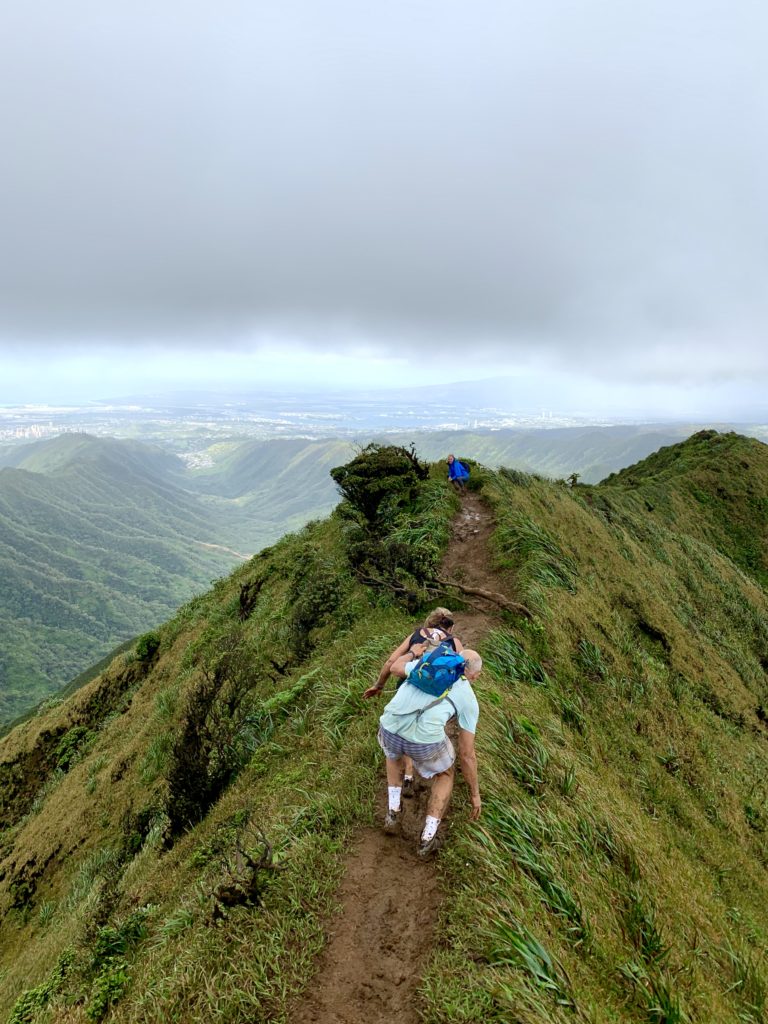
pixel 420 711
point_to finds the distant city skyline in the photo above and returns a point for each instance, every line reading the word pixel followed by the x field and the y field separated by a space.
pixel 532 391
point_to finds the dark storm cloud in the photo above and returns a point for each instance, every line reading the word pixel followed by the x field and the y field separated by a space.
pixel 576 181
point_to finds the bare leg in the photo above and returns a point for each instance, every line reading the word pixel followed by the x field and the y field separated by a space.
pixel 408 765
pixel 442 787
pixel 395 772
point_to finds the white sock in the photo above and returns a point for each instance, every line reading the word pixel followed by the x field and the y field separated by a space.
pixel 407 778
pixel 430 828
pixel 394 797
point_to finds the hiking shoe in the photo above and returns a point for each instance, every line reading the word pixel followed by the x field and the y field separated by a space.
pixel 428 847
pixel 392 821
pixel 408 789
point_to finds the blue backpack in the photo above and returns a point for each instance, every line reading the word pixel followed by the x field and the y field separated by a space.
pixel 436 672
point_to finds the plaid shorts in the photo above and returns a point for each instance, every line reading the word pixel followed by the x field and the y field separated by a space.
pixel 428 758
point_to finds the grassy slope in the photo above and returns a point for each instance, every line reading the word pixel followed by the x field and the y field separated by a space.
pixel 720 492
pixel 617 874
pixel 625 841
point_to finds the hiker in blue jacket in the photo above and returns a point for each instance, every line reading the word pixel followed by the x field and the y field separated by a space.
pixel 458 473
pixel 413 725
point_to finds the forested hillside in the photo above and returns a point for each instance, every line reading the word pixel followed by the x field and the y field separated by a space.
pixel 101 539
pixel 176 831
pixel 274 486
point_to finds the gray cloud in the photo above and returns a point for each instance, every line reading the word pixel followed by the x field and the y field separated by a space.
pixel 581 183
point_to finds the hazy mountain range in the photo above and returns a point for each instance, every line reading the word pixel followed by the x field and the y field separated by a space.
pixel 101 538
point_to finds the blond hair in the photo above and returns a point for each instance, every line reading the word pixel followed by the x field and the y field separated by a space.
pixel 440 618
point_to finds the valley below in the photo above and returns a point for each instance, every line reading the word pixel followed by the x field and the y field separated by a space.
pixel 104 535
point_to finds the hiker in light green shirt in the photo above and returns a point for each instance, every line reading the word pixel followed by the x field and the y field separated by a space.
pixel 413 725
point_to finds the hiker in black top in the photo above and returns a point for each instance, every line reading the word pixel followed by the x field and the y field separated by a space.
pixel 437 627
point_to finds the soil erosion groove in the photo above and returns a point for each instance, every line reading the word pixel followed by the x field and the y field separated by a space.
pixel 378 946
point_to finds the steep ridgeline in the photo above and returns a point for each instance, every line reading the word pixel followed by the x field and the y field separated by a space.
pixel 177 830
pixel 720 493
pixel 102 539
pixel 592 452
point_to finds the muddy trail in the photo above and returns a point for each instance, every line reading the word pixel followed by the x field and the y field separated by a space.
pixel 378 945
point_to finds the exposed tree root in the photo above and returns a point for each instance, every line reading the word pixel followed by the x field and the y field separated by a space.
pixel 439 585
pixel 487 595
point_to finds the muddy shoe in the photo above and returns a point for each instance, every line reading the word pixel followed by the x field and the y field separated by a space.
pixel 408 788
pixel 392 822
pixel 428 847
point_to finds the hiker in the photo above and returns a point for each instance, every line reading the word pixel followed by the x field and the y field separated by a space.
pixel 458 473
pixel 413 725
pixel 437 626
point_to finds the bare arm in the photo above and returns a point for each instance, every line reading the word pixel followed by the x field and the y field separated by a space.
pixel 385 672
pixel 459 644
pixel 468 759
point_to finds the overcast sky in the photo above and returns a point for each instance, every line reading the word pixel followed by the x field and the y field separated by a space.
pixel 327 191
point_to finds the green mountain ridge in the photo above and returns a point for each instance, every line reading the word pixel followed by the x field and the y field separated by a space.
pixel 62 452
pixel 125 531
pixel 618 872
pixel 592 452
pixel 101 539
pixel 721 486
pixel 91 553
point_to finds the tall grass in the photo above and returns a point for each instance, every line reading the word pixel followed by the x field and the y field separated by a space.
pixel 510 942
pixel 508 660
pixel 538 560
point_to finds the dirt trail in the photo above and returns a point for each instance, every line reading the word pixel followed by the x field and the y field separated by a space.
pixel 372 964
pixel 378 945
pixel 468 561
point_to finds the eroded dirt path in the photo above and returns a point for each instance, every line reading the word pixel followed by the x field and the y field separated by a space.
pixel 378 946
pixel 370 969
pixel 468 561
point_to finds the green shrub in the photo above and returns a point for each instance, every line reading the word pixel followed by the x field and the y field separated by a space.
pixel 72 745
pixel 30 1003
pixel 381 479
pixel 147 646
pixel 108 987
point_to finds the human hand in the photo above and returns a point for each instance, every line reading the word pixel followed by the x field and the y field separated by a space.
pixel 476 808
pixel 373 691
